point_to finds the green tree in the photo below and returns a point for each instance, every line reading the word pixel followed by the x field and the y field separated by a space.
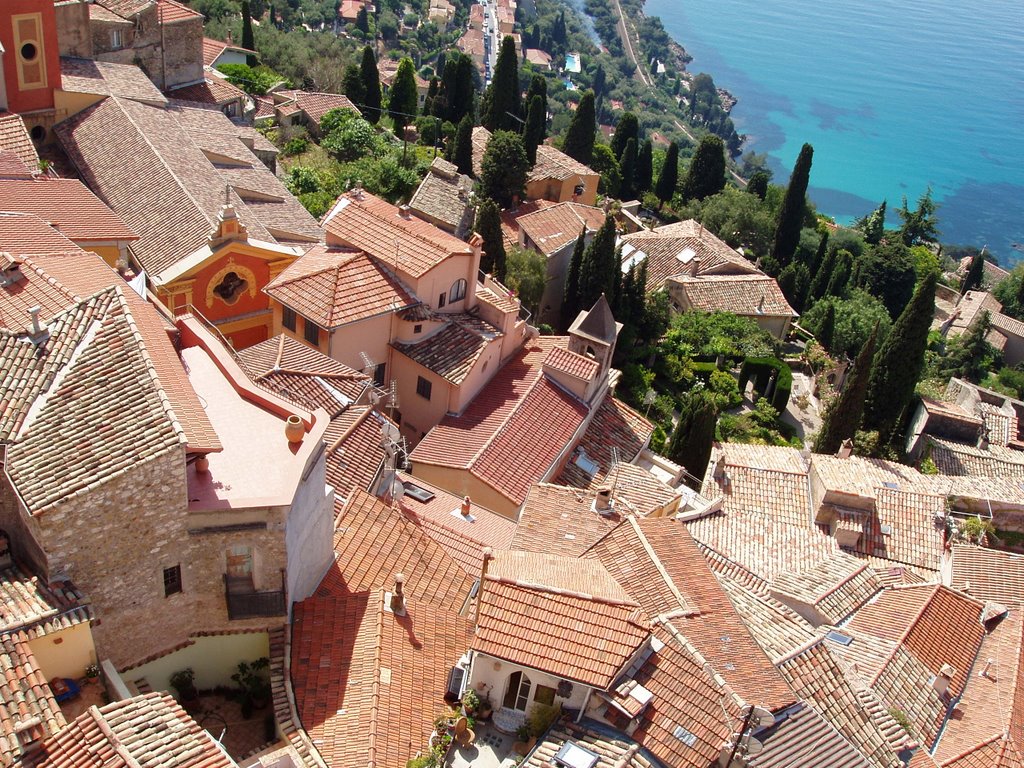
pixel 353 85
pixel 970 356
pixel 794 282
pixel 873 225
pixel 669 176
pixel 432 89
pixel 919 225
pixel 854 317
pixel 533 132
pixel 599 269
pixel 826 334
pixel 605 163
pixel 248 41
pixel 363 21
pixel 794 206
pixel 403 97
pixel 504 167
pixel 706 174
pixel 628 127
pixel 643 176
pixel 839 281
pixel 887 271
pixel 579 138
pixel 539 87
pixel 1010 293
pixel 899 363
pixel 571 297
pixel 843 415
pixel 627 165
pixel 502 104
pixel 975 274
pixel 462 146
pixel 693 436
pixel 819 283
pixel 488 226
pixel 527 274
pixel 598 81
pixel 371 86
pixel 462 97
pixel 758 184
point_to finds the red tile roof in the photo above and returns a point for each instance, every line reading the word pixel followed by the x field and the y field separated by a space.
pixel 571 635
pixel 146 730
pixel 27 705
pixel 560 520
pixel 615 428
pixel 14 138
pixel 316 105
pixel 452 351
pixel 67 205
pixel 172 12
pixel 988 574
pixel 519 404
pixel 104 78
pixel 510 219
pixel 409 245
pixel 373 542
pixel 334 287
pixel 212 49
pixel 368 683
pixel 564 361
pixel 355 455
pixel 26 235
pixel 752 295
pixel 213 90
pixel 551 229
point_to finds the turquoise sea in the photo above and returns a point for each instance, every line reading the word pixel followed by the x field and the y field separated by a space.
pixel 893 97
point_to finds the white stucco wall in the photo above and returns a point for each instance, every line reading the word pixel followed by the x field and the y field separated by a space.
pixel 309 530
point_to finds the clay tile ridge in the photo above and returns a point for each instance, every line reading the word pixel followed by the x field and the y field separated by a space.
pixel 707 666
pixel 524 584
pixel 842 583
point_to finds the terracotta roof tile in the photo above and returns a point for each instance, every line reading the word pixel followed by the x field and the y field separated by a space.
pixel 213 90
pixel 28 605
pixel 104 78
pixel 14 138
pixel 561 521
pixel 835 586
pixel 373 543
pixel 369 684
pixel 365 222
pixel 988 574
pixel 66 204
pixel 100 14
pixel 552 228
pixel 335 287
pixel 316 105
pixel 27 705
pixel 452 351
pixel 613 750
pixel 148 730
pixel 71 426
pixel 212 49
pixel 126 8
pixel 804 737
pixel 510 219
pixel 572 363
pixel 444 197
pixel 355 454
pixel 551 163
pixel 776 627
pixel 172 12
pixel 615 428
pixel 954 458
pixel 741 294
pixel 27 234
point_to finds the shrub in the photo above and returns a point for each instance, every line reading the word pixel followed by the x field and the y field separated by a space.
pixel 723 386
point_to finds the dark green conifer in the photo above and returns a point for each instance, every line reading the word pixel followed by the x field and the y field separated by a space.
pixel 579 138
pixel 794 206
pixel 627 167
pixel 248 41
pixel 826 334
pixel 488 226
pixel 462 146
pixel 758 184
pixel 504 167
pixel 975 274
pixel 352 84
pixel 371 86
pixel 533 132
pixel 843 415
pixel 899 363
pixel 599 270
pixel 794 281
pixel 693 436
pixel 539 87
pixel 403 97
pixel 571 295
pixel 819 284
pixel 669 176
pixel 644 168
pixel 706 174
pixel 628 127
pixel 840 277
pixel 502 101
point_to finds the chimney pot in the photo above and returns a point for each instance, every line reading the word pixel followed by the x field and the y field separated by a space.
pixel 845 449
pixel 467 505
pixel 398 597
pixel 694 266
pixel 405 212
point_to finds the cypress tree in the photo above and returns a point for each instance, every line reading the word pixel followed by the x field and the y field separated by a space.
pixel 432 89
pixel 794 205
pixel 462 100
pixel 843 415
pixel 579 138
pixel 539 87
pixel 248 41
pixel 827 332
pixel 819 285
pixel 599 272
pixel 899 362
pixel 873 225
pixel 819 254
pixel 706 174
pixel 627 166
pixel 461 147
pixel 533 132
pixel 488 226
pixel 504 167
pixel 840 277
pixel 404 97
pixel 371 86
pixel 644 168
pixel 693 436
pixel 793 282
pixel 352 84
pixel 628 127
pixel 502 103
pixel 669 176
pixel 598 81
pixel 975 274
pixel 970 355
pixel 758 184
pixel 571 296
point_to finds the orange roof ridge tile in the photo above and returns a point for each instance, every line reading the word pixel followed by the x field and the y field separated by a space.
pixel 348 432
pixel 705 665
pixel 371 746
pixel 656 561
pixel 798 650
pixel 843 582
pixel 526 584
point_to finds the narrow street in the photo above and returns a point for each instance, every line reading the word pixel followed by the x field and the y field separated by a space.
pixel 624 35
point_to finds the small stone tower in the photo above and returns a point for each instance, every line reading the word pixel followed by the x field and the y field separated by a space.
pixel 593 334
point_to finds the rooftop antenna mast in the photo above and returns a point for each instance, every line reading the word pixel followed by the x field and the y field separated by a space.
pixel 612 470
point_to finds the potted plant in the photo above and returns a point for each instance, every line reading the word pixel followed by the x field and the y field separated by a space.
pixel 92 673
pixel 470 702
pixel 253 684
pixel 184 682
pixel 485 709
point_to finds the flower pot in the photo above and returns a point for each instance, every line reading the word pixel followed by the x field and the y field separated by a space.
pixel 294 429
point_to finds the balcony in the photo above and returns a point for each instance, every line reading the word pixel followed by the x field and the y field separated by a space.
pixel 244 602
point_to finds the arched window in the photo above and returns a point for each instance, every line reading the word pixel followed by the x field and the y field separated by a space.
pixel 517 695
pixel 458 291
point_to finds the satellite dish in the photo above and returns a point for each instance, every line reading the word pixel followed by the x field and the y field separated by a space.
pixel 761 718
pixel 752 747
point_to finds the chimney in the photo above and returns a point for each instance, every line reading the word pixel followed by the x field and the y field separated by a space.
pixel 987 669
pixel 694 266
pixel 405 212
pixel 603 503
pixel 488 555
pixel 37 333
pixel 845 449
pixel 700 232
pixel 229 40
pixel 357 190
pixel 467 507
pixel 760 305
pixel 398 597
pixel 943 679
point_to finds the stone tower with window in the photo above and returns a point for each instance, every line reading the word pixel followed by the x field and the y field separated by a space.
pixel 593 334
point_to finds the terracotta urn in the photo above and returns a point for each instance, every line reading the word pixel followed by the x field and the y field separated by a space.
pixel 294 430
